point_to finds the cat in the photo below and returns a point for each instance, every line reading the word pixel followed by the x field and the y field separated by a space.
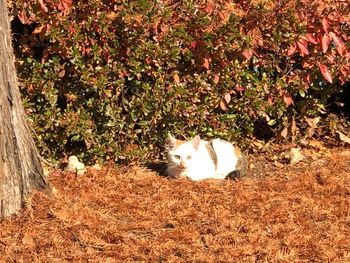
pixel 198 159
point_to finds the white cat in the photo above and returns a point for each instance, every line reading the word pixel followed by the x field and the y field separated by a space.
pixel 199 159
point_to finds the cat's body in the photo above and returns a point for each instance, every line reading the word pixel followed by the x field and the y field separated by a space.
pixel 199 159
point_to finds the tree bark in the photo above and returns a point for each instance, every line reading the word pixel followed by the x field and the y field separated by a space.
pixel 20 166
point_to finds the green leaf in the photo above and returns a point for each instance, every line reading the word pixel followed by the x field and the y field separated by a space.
pixel 271 122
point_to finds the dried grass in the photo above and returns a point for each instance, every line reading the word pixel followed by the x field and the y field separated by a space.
pixel 299 214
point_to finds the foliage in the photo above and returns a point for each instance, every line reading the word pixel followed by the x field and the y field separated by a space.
pixel 108 80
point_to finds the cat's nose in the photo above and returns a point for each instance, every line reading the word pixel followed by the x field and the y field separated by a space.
pixel 182 165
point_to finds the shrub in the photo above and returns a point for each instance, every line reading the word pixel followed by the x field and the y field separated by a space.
pixel 109 80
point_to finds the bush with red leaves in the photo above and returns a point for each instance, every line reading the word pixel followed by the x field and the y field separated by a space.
pixel 108 80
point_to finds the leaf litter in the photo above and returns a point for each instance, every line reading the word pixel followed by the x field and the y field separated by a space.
pixel 294 213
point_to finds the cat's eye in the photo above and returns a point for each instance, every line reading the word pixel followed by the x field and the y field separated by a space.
pixel 177 157
pixel 189 157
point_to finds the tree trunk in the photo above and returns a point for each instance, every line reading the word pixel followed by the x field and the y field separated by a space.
pixel 20 166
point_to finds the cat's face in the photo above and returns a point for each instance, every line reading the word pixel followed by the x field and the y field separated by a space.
pixel 182 153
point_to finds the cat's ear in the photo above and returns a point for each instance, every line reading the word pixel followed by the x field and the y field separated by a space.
pixel 195 141
pixel 170 142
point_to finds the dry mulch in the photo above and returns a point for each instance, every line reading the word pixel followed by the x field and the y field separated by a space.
pixel 287 214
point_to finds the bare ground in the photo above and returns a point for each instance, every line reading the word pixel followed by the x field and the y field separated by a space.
pixel 282 213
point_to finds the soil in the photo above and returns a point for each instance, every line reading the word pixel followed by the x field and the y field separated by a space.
pixel 278 213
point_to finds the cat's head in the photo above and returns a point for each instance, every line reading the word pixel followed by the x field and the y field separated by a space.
pixel 182 153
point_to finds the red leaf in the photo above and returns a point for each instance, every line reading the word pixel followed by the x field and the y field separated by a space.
pixel 216 78
pixel 326 73
pixel 270 99
pixel 46 53
pixel 23 17
pixel 64 5
pixel 266 89
pixel 291 50
pixel 311 38
pixel 325 43
pixel 62 73
pixel 222 105
pixel 209 8
pixel 38 29
pixel 240 89
pixel 345 36
pixel 302 45
pixel 307 79
pixel 176 78
pixel 43 6
pixel 307 64
pixel 206 63
pixel 227 98
pixel 48 28
pixel 194 45
pixel 288 100
pixel 325 24
pixel 248 53
pixel 338 42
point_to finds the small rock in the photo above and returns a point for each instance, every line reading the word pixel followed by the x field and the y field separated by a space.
pixel 75 166
pixel 295 155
